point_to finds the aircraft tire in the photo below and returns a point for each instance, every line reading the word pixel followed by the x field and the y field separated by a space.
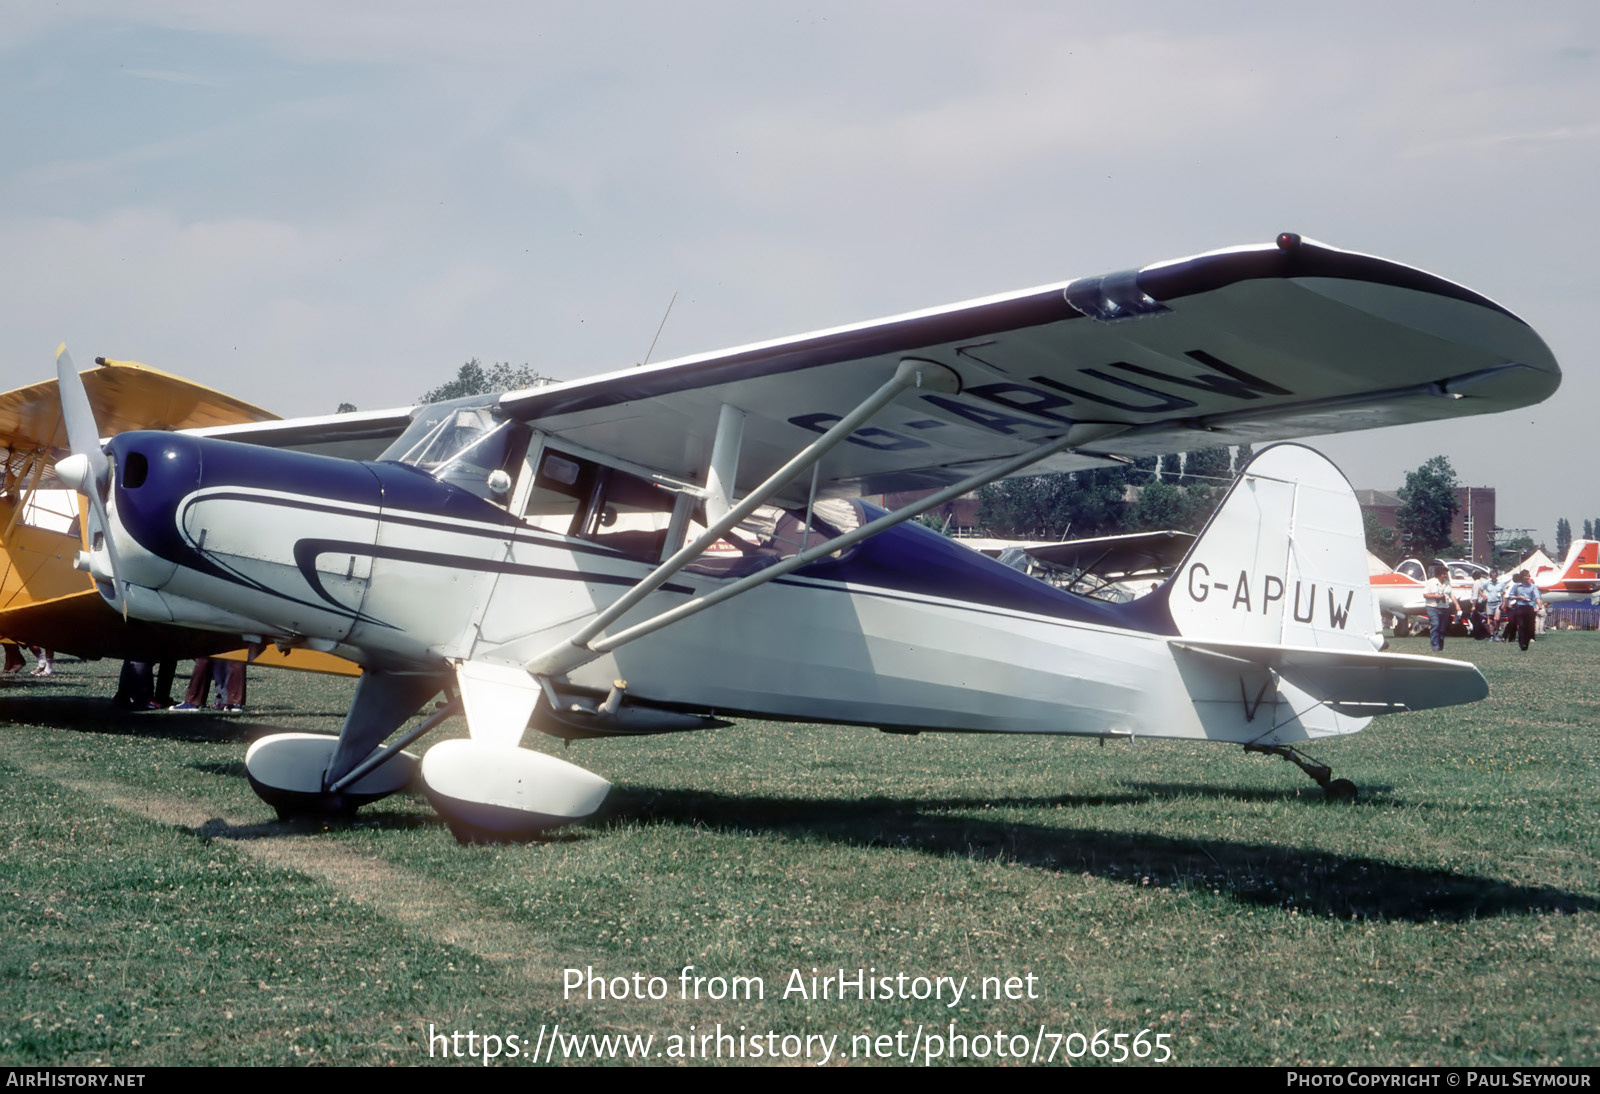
pixel 1342 790
pixel 286 770
pixel 504 794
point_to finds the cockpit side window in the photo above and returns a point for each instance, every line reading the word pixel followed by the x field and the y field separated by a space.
pixel 560 491
pixel 572 496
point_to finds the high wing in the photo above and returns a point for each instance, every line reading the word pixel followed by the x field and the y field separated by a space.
pixel 1242 345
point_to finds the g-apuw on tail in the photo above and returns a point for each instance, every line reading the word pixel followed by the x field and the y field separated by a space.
pixel 1278 641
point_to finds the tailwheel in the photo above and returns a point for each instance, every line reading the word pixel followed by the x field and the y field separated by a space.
pixel 286 771
pixel 1342 790
pixel 495 793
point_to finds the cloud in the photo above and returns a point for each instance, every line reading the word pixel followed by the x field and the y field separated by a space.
pixel 1494 144
pixel 167 76
pixel 184 296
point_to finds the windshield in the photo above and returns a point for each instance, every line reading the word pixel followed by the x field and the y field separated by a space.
pixel 460 445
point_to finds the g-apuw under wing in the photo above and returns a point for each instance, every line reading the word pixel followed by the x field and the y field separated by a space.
pixel 1249 344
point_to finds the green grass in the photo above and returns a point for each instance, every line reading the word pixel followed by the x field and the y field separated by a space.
pixel 157 913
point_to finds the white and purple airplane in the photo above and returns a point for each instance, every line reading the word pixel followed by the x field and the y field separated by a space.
pixel 663 547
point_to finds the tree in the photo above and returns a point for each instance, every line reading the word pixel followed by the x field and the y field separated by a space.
pixel 1563 537
pixel 1018 508
pixel 1241 456
pixel 1171 467
pixel 1512 551
pixel 1588 528
pixel 1381 539
pixel 346 408
pixel 1145 470
pixel 1206 467
pixel 1428 508
pixel 1084 503
pixel 1096 505
pixel 1161 505
pixel 473 379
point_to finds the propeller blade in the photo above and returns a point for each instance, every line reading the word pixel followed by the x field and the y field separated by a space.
pixel 83 436
pixel 87 469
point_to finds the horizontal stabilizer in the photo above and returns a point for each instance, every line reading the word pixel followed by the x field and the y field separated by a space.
pixel 1354 682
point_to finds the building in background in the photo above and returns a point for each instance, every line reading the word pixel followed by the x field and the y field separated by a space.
pixel 1472 529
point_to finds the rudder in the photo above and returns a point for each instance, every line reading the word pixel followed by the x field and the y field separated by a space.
pixel 1283 560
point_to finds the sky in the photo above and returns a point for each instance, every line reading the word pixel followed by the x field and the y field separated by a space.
pixel 309 203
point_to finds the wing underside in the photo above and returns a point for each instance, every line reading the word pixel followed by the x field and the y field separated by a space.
pixel 1247 345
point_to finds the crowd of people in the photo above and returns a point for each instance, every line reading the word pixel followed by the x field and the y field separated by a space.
pixel 1495 609
pixel 147 685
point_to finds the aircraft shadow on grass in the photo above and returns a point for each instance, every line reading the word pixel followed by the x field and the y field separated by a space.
pixel 218 828
pixel 1270 875
pixel 1277 875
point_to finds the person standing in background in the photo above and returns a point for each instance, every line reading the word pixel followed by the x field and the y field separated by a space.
pixel 1523 600
pixel 1436 595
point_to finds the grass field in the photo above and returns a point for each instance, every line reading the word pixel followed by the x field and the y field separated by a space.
pixel 156 913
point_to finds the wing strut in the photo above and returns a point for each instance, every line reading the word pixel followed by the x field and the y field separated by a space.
pixel 35 464
pixel 724 461
pixel 583 648
pixel 909 373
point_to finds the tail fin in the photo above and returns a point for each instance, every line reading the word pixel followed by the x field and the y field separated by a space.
pixel 1283 560
pixel 1278 634
pixel 1583 561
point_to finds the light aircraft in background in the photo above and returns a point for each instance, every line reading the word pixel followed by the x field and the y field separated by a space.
pixel 543 556
pixel 1399 592
pixel 1116 568
pixel 1576 578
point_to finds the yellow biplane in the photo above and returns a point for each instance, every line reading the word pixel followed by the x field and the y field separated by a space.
pixel 44 600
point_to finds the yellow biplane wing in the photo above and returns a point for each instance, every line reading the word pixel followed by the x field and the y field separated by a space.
pixel 44 601
pixel 125 395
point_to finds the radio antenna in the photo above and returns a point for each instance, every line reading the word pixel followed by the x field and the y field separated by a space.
pixel 659 329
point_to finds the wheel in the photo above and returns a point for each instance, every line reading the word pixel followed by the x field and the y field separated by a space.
pixel 1342 790
pixel 285 770
pixel 499 794
pixel 1402 627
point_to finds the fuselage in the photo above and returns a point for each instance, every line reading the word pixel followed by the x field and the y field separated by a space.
pixel 392 567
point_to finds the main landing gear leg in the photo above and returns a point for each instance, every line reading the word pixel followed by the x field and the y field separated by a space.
pixel 1337 789
pixel 305 774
